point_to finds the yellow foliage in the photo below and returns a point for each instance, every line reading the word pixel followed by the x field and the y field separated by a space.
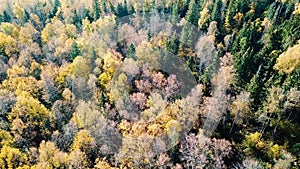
pixel 204 16
pixel 253 137
pixel 172 126
pixel 51 157
pixel 27 32
pixel 260 145
pixel 275 98
pixel 154 130
pixel 164 117
pixel 5 138
pixel 104 24
pixel 35 19
pixel 9 29
pixel 103 164
pixel 253 142
pixel 19 12
pixel 267 23
pixel 80 67
pixel 147 54
pixel 173 129
pixel 122 80
pixel 297 9
pixel 111 63
pixel 118 88
pixel 8 44
pixel 16 71
pixel 35 67
pixel 124 127
pixel 138 129
pixel 24 167
pixel 22 84
pixel 51 29
pixel 11 158
pixel 114 95
pixel 239 18
pixel 70 30
pixel 83 141
pixel 227 24
pixel 46 33
pixel 64 71
pixel 86 25
pixel 105 77
pixel 288 61
pixel 275 150
pixel 29 108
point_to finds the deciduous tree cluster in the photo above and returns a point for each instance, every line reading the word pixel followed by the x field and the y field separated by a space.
pixel 149 84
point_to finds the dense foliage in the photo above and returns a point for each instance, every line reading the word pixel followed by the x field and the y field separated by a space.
pixel 102 84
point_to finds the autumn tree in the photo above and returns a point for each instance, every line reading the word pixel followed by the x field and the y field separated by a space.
pixel 146 53
pixel 136 152
pixel 50 91
pixel 29 120
pixel 62 113
pixel 288 61
pixel 206 50
pixel 58 42
pixel 8 45
pixel 77 159
pixel 203 152
pixel 218 104
pixel 240 108
pixel 7 101
pixel 12 158
pixel 3 70
pixel 65 139
pixel 50 156
pixel 254 145
pixel 85 143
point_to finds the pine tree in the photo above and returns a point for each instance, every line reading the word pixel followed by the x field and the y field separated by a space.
pixel 75 51
pixel 149 36
pixel 55 8
pixel 175 16
pixel 104 7
pixel 216 13
pixel 122 9
pixel 96 10
pixel 186 38
pixel 131 52
pixel 172 45
pixel 6 17
pixel 131 9
pixel 192 15
pixel 125 9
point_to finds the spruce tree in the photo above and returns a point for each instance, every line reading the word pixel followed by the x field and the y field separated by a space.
pixel 192 15
pixel 174 17
pixel 131 52
pixel 96 10
pixel 74 52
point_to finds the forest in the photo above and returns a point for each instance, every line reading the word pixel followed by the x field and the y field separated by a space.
pixel 149 84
